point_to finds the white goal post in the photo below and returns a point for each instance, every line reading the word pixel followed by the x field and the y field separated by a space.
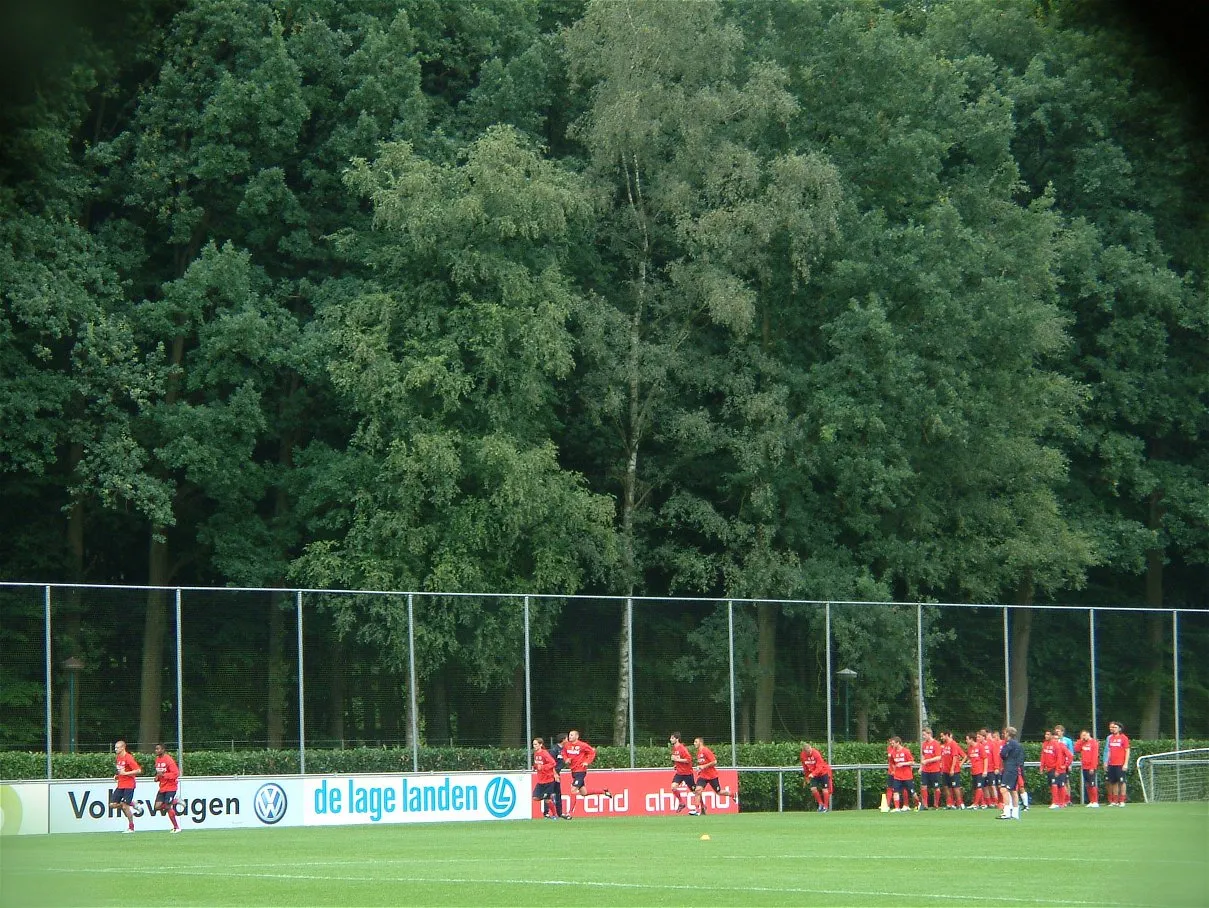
pixel 1178 775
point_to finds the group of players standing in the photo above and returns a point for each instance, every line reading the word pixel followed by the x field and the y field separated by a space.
pixel 690 776
pixel 996 764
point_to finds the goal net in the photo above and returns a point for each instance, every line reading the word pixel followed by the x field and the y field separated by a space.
pixel 1178 775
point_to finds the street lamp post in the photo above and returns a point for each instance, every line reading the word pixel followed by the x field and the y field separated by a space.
pixel 846 675
pixel 73 665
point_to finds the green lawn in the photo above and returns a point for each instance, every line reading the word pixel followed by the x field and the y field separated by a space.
pixel 1144 855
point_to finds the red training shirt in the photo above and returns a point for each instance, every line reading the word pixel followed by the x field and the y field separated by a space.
pixel 125 763
pixel 543 765
pixel 931 756
pixel 903 758
pixel 167 772
pixel 682 760
pixel 1089 753
pixel 707 763
pixel 1118 745
pixel 578 755
pixel 814 764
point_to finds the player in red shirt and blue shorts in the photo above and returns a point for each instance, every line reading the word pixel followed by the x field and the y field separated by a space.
pixel 683 782
pixel 707 774
pixel 579 755
pixel 931 761
pixel 168 775
pixel 127 768
pixel 1088 749
pixel 1116 759
pixel 546 787
pixel 952 756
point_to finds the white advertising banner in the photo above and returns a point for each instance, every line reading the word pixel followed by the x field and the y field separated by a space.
pixel 205 803
pixel 424 798
pixel 23 808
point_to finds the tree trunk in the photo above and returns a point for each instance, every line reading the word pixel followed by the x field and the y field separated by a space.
pixel 512 712
pixel 155 625
pixel 437 712
pixel 1018 647
pixel 767 614
pixel 862 724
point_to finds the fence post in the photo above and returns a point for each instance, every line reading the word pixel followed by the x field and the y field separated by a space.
pixel 629 617
pixel 180 684
pixel 411 684
pixel 49 713
pixel 301 690
pixel 919 671
pixel 1007 672
pixel 1091 633
pixel 1175 672
pixel 730 636
pixel 827 636
pixel 528 686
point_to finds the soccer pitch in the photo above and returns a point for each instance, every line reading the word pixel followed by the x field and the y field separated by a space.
pixel 1144 855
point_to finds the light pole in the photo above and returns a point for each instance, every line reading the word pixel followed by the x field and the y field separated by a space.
pixel 846 675
pixel 73 665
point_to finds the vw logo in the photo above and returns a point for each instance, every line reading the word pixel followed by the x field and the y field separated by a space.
pixel 500 797
pixel 270 803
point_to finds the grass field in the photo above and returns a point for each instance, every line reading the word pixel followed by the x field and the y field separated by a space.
pixel 1144 855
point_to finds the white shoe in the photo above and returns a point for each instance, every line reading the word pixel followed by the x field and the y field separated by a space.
pixel 1055 807
pixel 1094 804
pixel 127 831
pixel 175 829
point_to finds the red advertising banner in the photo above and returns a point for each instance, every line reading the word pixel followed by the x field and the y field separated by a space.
pixel 637 793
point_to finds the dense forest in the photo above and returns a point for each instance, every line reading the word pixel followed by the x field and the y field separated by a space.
pixel 845 300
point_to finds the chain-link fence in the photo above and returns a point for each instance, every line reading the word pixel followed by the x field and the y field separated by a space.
pixel 217 669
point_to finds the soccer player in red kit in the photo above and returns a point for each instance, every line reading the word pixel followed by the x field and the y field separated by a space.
pixel 707 774
pixel 1049 763
pixel 904 776
pixel 1063 759
pixel 546 786
pixel 817 772
pixel 930 762
pixel 168 775
pixel 683 782
pixel 1088 749
pixel 979 753
pixel 1117 760
pixel 579 755
pixel 951 758
pixel 995 765
pixel 127 768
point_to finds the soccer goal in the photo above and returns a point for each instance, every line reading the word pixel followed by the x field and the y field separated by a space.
pixel 1178 775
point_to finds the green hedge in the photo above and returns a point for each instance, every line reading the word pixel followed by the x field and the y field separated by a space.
pixel 759 789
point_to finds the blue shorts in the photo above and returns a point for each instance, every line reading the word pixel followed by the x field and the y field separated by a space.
pixel 543 790
pixel 1061 779
pixel 713 783
pixel 122 796
pixel 577 779
pixel 681 778
pixel 979 780
pixel 930 779
pixel 953 779
pixel 1012 774
pixel 1089 778
pixel 1116 774
pixel 904 785
pixel 164 800
pixel 822 783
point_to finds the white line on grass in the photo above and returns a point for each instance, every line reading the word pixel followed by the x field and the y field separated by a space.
pixel 659 887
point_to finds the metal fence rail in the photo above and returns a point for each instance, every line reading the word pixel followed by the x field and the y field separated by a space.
pixel 300 668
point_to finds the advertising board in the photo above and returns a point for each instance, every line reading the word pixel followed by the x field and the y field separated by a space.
pixel 637 793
